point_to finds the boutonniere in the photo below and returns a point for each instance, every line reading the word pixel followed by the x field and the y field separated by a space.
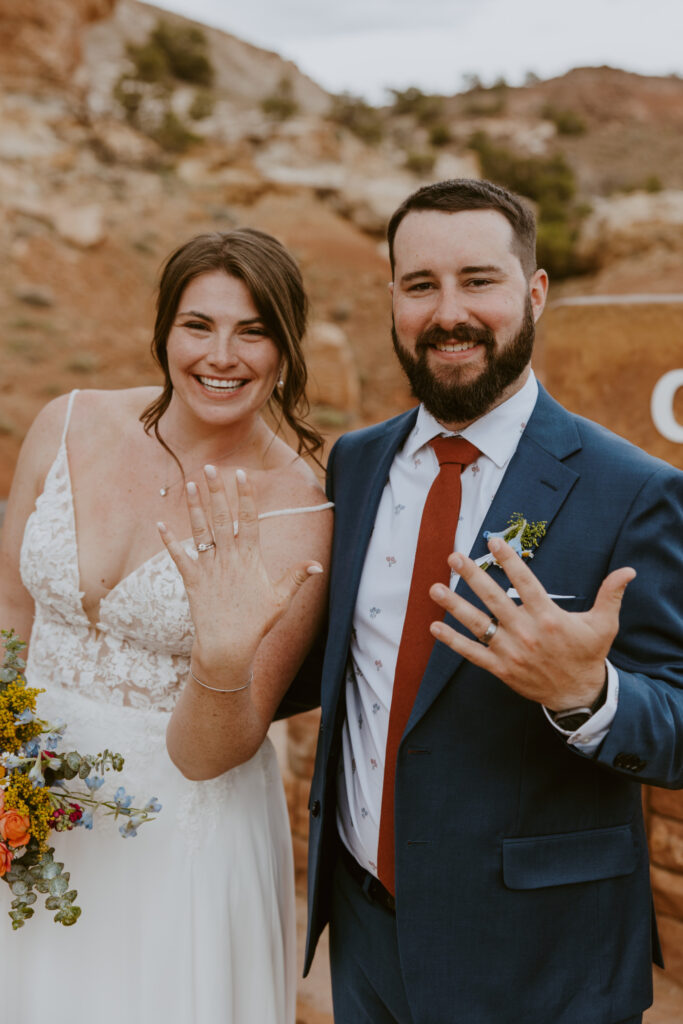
pixel 522 535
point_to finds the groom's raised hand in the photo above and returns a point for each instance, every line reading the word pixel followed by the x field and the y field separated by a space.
pixel 540 650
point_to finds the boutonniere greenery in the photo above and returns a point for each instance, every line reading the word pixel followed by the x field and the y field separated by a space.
pixel 521 534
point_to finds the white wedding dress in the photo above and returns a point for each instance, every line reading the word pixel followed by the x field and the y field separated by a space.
pixel 192 921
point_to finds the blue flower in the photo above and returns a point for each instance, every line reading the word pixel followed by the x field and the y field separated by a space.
pixel 86 819
pixel 52 740
pixel 122 800
pixel 25 717
pixel 130 829
pixel 93 782
pixel 32 748
pixel 152 805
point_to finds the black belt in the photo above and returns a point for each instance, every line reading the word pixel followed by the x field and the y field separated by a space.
pixel 371 886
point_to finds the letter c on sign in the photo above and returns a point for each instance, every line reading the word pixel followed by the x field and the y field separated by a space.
pixel 662 406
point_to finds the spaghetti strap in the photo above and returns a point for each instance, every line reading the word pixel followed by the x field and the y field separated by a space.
pixel 68 413
pixel 295 511
pixel 286 512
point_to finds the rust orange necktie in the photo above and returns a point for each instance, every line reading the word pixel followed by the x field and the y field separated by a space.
pixel 435 543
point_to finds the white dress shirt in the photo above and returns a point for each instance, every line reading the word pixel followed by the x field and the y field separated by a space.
pixel 383 596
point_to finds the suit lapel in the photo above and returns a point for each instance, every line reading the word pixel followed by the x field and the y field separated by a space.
pixel 536 484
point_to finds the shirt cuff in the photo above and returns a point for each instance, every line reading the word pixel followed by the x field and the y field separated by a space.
pixel 588 738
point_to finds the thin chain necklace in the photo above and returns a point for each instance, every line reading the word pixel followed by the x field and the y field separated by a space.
pixel 163 491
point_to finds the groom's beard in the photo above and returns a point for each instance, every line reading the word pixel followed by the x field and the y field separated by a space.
pixel 449 398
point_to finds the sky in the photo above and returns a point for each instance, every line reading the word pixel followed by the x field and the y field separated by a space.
pixel 368 46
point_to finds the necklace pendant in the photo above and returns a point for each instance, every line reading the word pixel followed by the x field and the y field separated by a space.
pixel 163 491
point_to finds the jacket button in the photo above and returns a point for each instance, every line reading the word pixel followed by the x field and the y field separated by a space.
pixel 315 808
pixel 629 762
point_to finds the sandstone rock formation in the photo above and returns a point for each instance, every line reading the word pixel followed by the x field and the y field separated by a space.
pixel 41 40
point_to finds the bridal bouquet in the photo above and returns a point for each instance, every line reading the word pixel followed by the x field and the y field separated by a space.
pixel 43 789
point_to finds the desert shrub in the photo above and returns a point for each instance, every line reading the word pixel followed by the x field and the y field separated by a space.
pixel 172 51
pixel 281 104
pixel 420 161
pixel 171 134
pixel 567 122
pixel 439 134
pixel 653 183
pixel 202 105
pixel 358 116
pixel 425 108
pixel 185 50
pixel 550 182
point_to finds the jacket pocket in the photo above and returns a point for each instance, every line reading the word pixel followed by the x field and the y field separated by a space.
pixel 534 862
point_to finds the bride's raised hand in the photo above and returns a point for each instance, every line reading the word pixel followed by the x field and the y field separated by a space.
pixel 233 601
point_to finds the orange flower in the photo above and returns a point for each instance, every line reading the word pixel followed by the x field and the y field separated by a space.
pixel 14 828
pixel 5 860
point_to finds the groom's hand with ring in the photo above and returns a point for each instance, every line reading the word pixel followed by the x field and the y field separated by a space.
pixel 538 649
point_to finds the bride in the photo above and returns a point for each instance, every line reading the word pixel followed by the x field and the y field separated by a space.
pixel 119 497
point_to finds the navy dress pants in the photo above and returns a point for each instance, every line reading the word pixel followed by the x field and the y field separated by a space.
pixel 367 984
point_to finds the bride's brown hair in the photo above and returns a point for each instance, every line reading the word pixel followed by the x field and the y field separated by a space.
pixel 276 286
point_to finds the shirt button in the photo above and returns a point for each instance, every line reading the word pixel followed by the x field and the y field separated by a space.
pixel 315 809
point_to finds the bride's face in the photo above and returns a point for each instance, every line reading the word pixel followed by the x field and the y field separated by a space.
pixel 222 362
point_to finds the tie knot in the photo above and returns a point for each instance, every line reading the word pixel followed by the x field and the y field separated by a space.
pixel 454 450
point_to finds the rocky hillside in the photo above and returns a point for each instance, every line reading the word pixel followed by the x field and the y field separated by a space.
pixel 124 130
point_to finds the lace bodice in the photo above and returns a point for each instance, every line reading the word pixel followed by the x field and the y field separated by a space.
pixel 138 652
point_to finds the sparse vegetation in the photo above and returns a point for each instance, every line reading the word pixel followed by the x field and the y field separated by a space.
pixel 359 117
pixel 424 107
pixel 82 362
pixel 566 121
pixel 550 182
pixel 281 105
pixel 171 54
pixel 420 161
pixel 202 105
pixel 172 134
pixel 439 134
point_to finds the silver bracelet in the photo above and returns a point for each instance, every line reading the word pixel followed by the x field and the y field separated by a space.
pixel 217 689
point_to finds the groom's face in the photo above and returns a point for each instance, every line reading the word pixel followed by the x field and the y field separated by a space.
pixel 464 313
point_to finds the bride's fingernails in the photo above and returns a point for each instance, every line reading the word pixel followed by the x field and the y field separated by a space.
pixel 162 527
pixel 191 488
pixel 210 471
pixel 313 569
pixel 241 476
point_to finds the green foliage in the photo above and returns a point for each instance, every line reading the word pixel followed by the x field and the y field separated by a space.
pixel 151 63
pixel 281 105
pixel 439 134
pixel 184 48
pixel 550 182
pixel 486 103
pixel 425 108
pixel 202 105
pixel 359 117
pixel 172 135
pixel 420 161
pixel 567 122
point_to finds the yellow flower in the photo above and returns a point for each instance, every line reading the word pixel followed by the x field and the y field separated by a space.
pixel 15 698
pixel 21 796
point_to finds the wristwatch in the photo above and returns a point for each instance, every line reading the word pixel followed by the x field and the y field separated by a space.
pixel 571 719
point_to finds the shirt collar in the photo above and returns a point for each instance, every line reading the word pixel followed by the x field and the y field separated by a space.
pixel 496 434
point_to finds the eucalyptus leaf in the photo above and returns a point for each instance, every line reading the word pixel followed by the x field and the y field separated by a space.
pixel 58 886
pixel 19 888
pixel 53 903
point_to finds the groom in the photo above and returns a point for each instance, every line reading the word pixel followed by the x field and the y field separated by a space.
pixel 476 835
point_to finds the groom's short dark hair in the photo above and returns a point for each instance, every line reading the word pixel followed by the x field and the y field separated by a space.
pixel 459 194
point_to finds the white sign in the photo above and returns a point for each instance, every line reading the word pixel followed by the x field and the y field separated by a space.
pixel 662 406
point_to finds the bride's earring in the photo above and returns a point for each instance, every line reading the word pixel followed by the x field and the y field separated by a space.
pixel 280 381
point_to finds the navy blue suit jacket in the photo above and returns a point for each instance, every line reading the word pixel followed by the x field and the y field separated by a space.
pixel 522 879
